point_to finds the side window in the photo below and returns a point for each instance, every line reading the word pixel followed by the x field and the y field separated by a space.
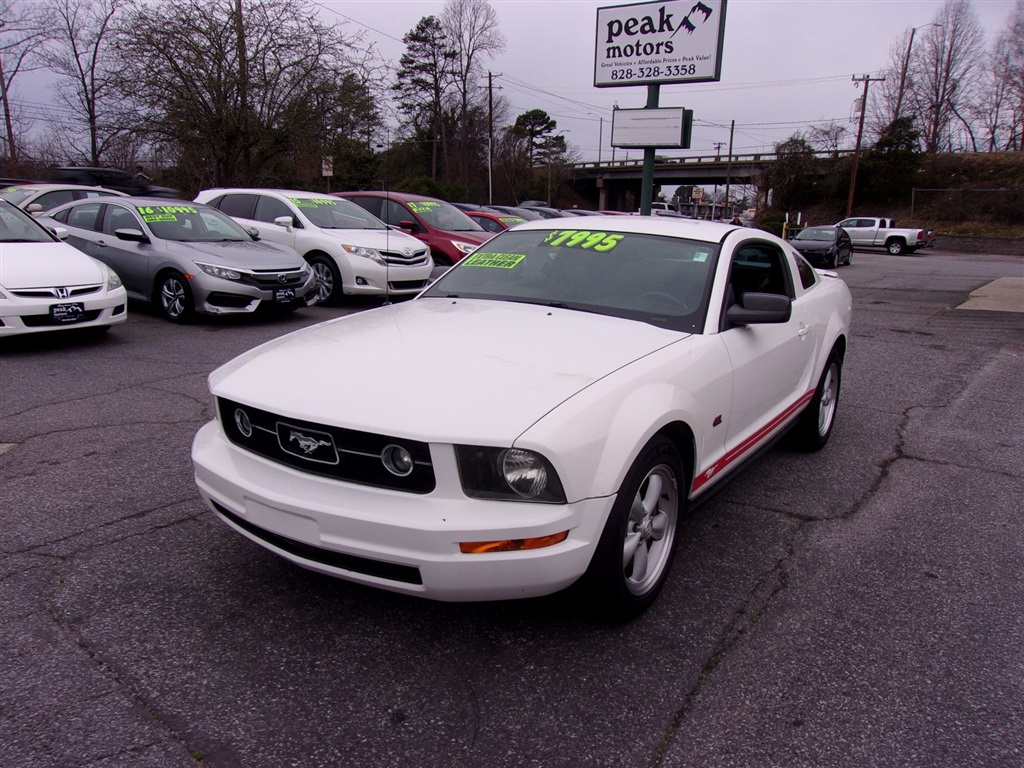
pixel 239 206
pixel 808 277
pixel 270 208
pixel 759 268
pixel 489 224
pixel 395 213
pixel 371 204
pixel 53 199
pixel 217 225
pixel 117 218
pixel 84 216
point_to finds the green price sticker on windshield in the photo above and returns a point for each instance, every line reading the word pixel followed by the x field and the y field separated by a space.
pixel 580 238
pixel 494 260
pixel 149 210
pixel 311 202
pixel 418 206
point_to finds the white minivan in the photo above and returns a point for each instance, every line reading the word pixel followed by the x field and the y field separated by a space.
pixel 350 251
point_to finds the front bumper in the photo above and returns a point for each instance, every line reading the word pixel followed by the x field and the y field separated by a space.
pixel 24 315
pixel 218 296
pixel 402 542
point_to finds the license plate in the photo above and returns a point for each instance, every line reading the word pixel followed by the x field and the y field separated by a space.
pixel 67 313
pixel 284 294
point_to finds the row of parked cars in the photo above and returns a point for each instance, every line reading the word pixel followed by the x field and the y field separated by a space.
pixel 231 250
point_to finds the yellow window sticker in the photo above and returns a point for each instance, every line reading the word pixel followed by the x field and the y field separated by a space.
pixel 419 206
pixel 311 202
pixel 581 238
pixel 494 260
pixel 511 219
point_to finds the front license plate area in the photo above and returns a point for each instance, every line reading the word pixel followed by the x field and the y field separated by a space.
pixel 67 313
pixel 284 294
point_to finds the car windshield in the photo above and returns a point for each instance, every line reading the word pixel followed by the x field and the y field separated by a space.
pixel 817 233
pixel 19 227
pixel 441 215
pixel 16 195
pixel 335 213
pixel 191 224
pixel 664 281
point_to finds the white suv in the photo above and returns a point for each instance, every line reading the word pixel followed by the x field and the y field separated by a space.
pixel 350 250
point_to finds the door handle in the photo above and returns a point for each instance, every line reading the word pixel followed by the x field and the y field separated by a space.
pixel 803 330
pixel 101 244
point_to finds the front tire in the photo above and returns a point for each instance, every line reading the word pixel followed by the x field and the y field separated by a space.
pixel 328 280
pixel 637 546
pixel 814 427
pixel 174 297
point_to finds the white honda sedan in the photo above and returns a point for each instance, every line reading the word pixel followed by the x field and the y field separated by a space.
pixel 47 285
pixel 586 381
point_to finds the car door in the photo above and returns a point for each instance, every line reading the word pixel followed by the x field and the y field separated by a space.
pixel 772 363
pixel 844 248
pixel 267 210
pixel 861 231
pixel 133 261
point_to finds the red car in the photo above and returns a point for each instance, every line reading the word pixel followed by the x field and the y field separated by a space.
pixel 495 222
pixel 449 232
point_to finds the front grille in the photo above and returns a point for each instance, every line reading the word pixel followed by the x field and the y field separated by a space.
pixel 51 293
pixel 271 278
pixel 401 260
pixel 228 300
pixel 326 450
pixel 407 285
pixel 40 321
pixel 406 574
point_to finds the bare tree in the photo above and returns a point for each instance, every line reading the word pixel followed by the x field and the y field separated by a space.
pixel 1009 74
pixel 827 138
pixel 22 33
pixel 945 72
pixel 81 52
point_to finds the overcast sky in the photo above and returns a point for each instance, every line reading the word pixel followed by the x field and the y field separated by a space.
pixel 786 63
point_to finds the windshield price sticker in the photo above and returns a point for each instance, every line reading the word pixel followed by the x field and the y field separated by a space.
pixel 494 260
pixel 511 219
pixel 311 202
pixel 580 238
pixel 154 213
pixel 419 206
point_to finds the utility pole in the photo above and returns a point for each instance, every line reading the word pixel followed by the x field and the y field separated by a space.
pixel 490 137
pixel 728 168
pixel 867 80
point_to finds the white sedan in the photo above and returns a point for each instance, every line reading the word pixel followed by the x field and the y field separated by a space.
pixel 542 415
pixel 47 285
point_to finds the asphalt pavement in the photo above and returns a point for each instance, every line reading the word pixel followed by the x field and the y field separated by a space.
pixel 857 607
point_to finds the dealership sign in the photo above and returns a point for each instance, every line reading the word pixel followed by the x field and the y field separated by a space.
pixel 656 43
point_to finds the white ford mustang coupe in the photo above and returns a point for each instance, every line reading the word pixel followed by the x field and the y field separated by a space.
pixel 541 415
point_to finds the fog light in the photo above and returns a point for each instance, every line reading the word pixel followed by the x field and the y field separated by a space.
pixel 361 281
pixel 397 460
pixel 243 423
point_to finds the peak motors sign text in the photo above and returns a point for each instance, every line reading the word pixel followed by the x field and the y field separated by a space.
pixel 671 42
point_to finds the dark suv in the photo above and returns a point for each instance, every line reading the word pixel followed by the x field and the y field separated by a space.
pixel 111 178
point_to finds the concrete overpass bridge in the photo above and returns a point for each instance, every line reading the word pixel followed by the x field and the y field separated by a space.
pixel 616 185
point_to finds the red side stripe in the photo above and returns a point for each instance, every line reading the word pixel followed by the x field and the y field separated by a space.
pixel 751 443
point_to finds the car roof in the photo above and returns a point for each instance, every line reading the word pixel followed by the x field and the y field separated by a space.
pixel 404 197
pixel 214 191
pixel 691 229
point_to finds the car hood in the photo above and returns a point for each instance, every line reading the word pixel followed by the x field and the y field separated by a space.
pixel 42 265
pixel 442 370
pixel 378 239
pixel 247 254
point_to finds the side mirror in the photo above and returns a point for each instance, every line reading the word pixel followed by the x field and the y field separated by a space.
pixel 34 208
pixel 285 221
pixel 59 232
pixel 131 235
pixel 407 225
pixel 757 308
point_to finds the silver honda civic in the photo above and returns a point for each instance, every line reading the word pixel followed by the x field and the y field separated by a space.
pixel 185 257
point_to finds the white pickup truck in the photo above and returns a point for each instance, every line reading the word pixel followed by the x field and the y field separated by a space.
pixel 874 232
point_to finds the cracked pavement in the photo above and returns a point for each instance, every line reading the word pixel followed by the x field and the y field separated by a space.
pixel 860 606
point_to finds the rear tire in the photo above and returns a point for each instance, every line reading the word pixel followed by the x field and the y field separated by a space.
pixel 896 247
pixel 814 426
pixel 638 544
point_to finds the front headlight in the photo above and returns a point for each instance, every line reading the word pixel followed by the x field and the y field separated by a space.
pixel 222 272
pixel 366 253
pixel 466 248
pixel 508 474
pixel 113 279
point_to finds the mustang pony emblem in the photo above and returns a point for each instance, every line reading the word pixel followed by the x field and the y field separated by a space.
pixel 306 443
